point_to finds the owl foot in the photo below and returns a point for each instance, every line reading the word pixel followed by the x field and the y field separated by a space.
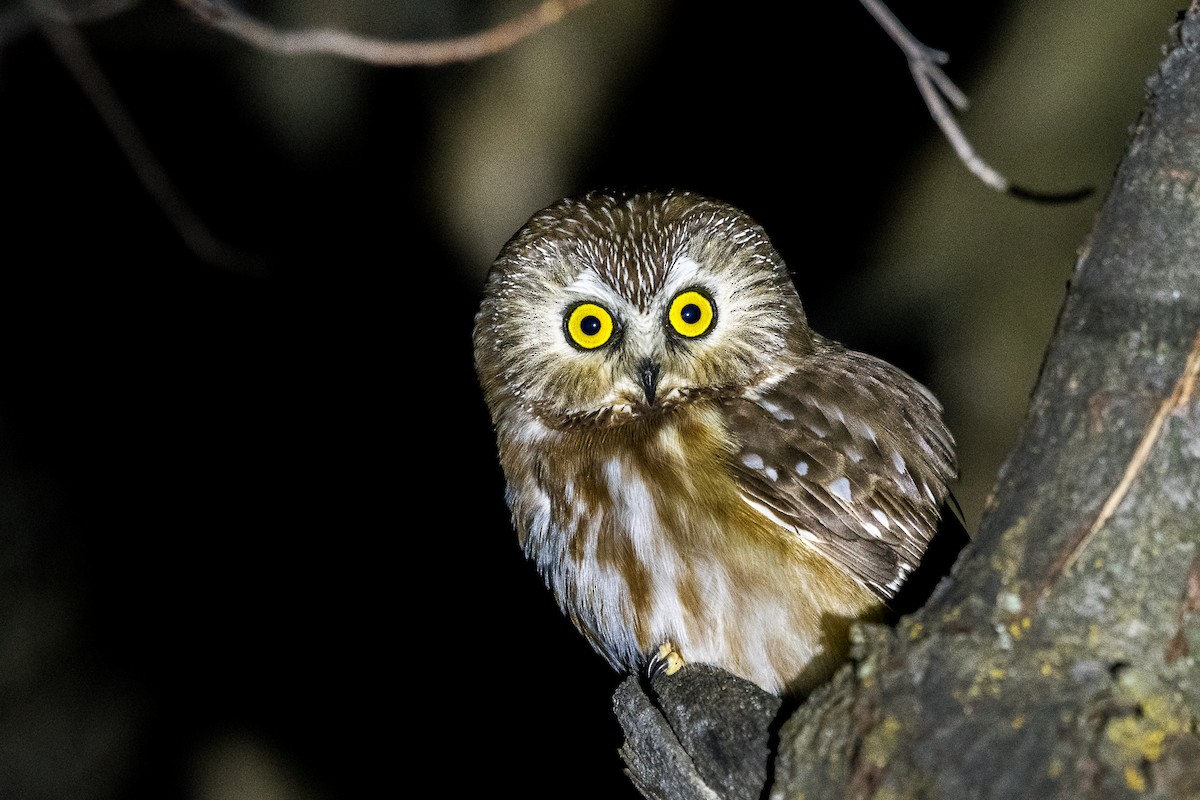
pixel 667 660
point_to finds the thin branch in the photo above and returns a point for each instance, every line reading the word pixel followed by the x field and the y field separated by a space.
pixel 73 51
pixel 329 41
pixel 936 88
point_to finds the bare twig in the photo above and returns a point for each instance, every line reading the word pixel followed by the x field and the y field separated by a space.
pixel 936 88
pixel 73 51
pixel 329 41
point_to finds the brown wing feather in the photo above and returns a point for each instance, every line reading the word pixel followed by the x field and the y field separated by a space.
pixel 853 455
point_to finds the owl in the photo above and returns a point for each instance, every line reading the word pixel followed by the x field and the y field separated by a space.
pixel 698 476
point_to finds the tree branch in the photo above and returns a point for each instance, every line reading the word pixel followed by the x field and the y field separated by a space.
pixel 328 41
pixel 1178 399
pixel 936 88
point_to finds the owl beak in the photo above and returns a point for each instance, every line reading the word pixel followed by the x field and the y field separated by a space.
pixel 647 374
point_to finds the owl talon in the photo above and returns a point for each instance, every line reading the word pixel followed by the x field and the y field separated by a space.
pixel 667 660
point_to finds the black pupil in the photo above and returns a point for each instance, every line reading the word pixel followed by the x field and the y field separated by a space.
pixel 690 313
pixel 590 325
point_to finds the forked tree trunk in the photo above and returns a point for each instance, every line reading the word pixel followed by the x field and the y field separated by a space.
pixel 1059 660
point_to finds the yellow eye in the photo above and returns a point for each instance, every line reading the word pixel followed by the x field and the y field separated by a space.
pixel 589 326
pixel 692 314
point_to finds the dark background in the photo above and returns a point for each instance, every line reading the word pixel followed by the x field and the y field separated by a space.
pixel 251 519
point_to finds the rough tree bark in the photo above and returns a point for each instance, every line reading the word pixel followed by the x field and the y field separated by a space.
pixel 1059 658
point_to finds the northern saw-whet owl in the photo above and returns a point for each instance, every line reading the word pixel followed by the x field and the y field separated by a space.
pixel 697 475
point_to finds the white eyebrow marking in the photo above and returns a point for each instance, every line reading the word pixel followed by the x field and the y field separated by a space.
pixel 685 269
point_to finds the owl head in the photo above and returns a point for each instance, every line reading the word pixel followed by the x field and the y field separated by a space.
pixel 613 307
